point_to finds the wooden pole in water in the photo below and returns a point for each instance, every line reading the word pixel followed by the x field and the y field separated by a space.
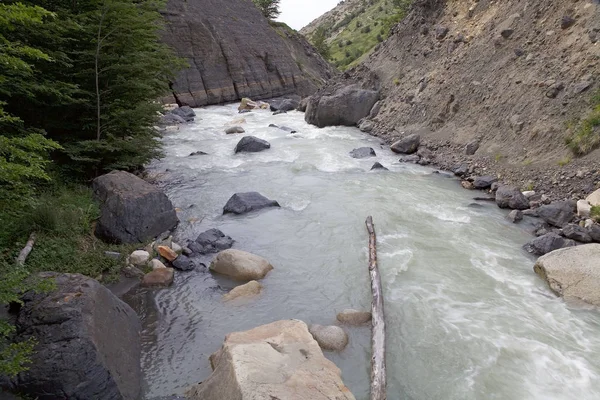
pixel 378 375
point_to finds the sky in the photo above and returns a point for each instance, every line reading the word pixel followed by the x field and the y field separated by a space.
pixel 299 13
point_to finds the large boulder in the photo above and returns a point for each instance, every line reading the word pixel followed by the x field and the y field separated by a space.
pixel 576 232
pixel 185 112
pixel 280 360
pixel 594 232
pixel 558 214
pixel 594 198
pixel 406 145
pixel 251 144
pixel 211 241
pixel 363 152
pixel 241 203
pixel 240 265
pixel 511 197
pixel 346 106
pixel 484 182
pixel 284 104
pixel 573 272
pixel 88 343
pixel 131 209
pixel 546 243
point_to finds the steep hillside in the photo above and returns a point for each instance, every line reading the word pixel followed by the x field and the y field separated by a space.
pixel 355 27
pixel 234 52
pixel 517 75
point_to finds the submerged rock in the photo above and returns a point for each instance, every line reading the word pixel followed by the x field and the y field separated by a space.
pixel 251 144
pixel 378 166
pixel 240 265
pixel 573 272
pixel 198 153
pixel 354 317
pixel 280 360
pixel 158 277
pixel 234 129
pixel 331 338
pixel 241 203
pixel 251 288
pixel 283 128
pixel 363 152
pixel 88 343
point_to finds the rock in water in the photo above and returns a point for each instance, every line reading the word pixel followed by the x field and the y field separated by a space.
pixel 88 343
pixel 251 288
pixel 131 209
pixel 241 203
pixel 515 216
pixel 547 243
pixel 184 112
pixel 484 182
pixel 158 277
pixel 280 360
pixel 346 106
pixel 558 214
pixel 251 144
pixel 511 197
pixel 211 241
pixel 573 272
pixel 283 105
pixel 183 263
pixel 234 129
pixel 576 232
pixel 240 265
pixel 407 145
pixel 329 337
pixel 378 166
pixel 363 152
pixel 354 317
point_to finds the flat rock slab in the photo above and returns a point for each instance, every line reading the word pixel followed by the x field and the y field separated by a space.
pixel 241 203
pixel 240 265
pixel 280 360
pixel 573 272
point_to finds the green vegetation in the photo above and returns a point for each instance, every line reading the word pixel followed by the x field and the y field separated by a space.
pixel 585 136
pixel 350 39
pixel 320 45
pixel 269 8
pixel 595 213
pixel 564 161
pixel 78 87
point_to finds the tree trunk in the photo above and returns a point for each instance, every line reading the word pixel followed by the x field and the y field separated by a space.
pixel 378 374
pixel 97 74
pixel 26 250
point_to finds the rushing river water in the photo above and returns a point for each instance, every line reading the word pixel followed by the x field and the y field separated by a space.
pixel 466 316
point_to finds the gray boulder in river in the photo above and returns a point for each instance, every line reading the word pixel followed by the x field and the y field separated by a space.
pixel 280 360
pixel 346 106
pixel 251 144
pixel 211 241
pixel 547 243
pixel 511 197
pixel 131 209
pixel 363 152
pixel 573 272
pixel 284 105
pixel 241 203
pixel 406 145
pixel 185 112
pixel 558 214
pixel 88 343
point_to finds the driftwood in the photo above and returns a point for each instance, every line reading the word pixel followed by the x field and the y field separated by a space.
pixel 378 374
pixel 26 250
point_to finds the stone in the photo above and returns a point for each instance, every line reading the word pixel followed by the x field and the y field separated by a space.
pixel 198 153
pixel 354 317
pixel 176 248
pixel 280 360
pixel 183 263
pixel 170 119
pixel 506 33
pixel 279 112
pixel 441 32
pixel 413 158
pixel 576 232
pixel 557 214
pixel 346 106
pixel 472 147
pixel 131 209
pixel 529 194
pixel 375 109
pixel 240 265
pixel 251 144
pixel 583 208
pixel 366 126
pixel 212 241
pixel 594 232
pixel 283 128
pixel 363 152
pixel 167 253
pixel 573 273
pixel 515 216
pixel 331 337
pixel 484 182
pixel 132 272
pixel 547 243
pixel 158 278
pixel 251 288
pixel 406 145
pixel 139 257
pixel 511 197
pixel 185 112
pixel 467 185
pixel 460 170
pixel 378 166
pixel 156 264
pixel 303 104
pixel 241 203
pixel 594 198
pixel 588 223
pixel 554 90
pixel 234 129
pixel 283 105
pixel 88 342
pixel 566 22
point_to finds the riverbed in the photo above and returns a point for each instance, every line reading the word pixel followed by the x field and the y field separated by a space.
pixel 466 316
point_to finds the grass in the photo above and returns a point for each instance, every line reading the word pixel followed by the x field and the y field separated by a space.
pixel 595 213
pixel 564 161
pixel 585 136
pixel 498 157
pixel 528 187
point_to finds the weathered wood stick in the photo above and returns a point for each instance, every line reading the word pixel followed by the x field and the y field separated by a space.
pixel 378 374
pixel 26 250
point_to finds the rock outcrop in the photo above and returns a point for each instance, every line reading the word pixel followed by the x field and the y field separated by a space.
pixel 573 272
pixel 280 360
pixel 233 52
pixel 88 344
pixel 131 209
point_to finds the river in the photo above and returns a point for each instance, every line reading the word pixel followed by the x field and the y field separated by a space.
pixel 466 316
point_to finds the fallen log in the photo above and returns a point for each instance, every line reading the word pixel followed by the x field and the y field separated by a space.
pixel 378 373
pixel 26 250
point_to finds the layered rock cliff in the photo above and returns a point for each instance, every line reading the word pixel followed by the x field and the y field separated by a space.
pixel 234 52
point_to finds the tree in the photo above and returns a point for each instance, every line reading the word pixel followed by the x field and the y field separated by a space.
pixel 319 41
pixel 269 8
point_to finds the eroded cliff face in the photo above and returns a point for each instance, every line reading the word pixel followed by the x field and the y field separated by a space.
pixel 234 52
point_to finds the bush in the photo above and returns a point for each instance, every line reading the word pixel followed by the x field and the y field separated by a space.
pixel 586 136
pixel 595 213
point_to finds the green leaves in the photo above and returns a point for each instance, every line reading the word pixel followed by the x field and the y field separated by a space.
pixel 269 8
